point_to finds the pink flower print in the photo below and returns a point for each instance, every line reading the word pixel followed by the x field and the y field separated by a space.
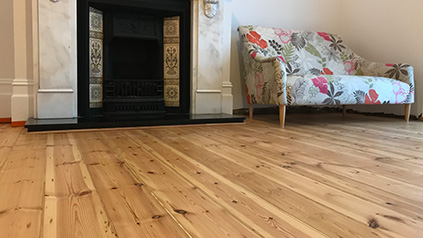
pixel 259 84
pixel 321 83
pixel 248 95
pixel 324 35
pixel 255 38
pixel 373 97
pixel 349 66
pixel 327 71
pixel 280 57
pixel 389 65
pixel 284 36
pixel 400 93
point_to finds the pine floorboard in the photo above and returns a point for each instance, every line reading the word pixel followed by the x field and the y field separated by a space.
pixel 324 175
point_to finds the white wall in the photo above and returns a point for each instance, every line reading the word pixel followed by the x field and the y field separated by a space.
pixel 390 31
pixel 380 30
pixel 7 70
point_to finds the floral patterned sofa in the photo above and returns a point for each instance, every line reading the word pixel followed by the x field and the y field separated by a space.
pixel 286 68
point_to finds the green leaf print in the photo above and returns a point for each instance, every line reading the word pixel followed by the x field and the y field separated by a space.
pixel 359 72
pixel 345 57
pixel 310 49
pixel 288 52
pixel 324 62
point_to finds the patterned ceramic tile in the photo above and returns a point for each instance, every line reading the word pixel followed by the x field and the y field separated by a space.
pixel 171 95
pixel 96 80
pixel 96 20
pixel 171 70
pixel 171 58
pixel 96 104
pixel 98 35
pixel 96 58
pixel 96 95
pixel 171 27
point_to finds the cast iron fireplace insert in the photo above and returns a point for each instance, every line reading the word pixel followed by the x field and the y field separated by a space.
pixel 131 79
pixel 122 78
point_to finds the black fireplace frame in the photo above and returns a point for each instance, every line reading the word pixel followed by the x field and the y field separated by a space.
pixel 181 8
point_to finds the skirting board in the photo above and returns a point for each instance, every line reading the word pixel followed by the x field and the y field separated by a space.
pixel 18 123
pixel 6 120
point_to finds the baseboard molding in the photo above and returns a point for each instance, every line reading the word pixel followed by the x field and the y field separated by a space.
pixel 18 123
pixel 5 120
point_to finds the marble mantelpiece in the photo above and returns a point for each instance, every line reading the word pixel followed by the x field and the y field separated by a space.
pixel 56 86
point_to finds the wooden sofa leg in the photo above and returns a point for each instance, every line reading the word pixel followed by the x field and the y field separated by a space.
pixel 407 112
pixel 344 110
pixel 251 111
pixel 282 112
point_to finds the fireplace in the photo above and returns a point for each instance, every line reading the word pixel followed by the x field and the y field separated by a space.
pixel 133 58
pixel 62 81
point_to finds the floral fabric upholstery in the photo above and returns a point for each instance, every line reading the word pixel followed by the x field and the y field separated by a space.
pixel 344 90
pixel 315 68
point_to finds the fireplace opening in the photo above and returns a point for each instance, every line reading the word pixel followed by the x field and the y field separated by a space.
pixel 133 66
pixel 133 58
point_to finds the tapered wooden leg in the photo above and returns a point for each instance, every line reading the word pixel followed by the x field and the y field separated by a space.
pixel 344 110
pixel 251 111
pixel 407 112
pixel 282 112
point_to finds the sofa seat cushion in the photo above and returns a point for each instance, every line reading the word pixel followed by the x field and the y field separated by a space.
pixel 345 89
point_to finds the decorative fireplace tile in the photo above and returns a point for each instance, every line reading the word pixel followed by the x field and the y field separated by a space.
pixel 171 64
pixel 96 58
pixel 171 71
pixel 96 20
pixel 171 27
pixel 171 95
pixel 96 95
pixel 96 80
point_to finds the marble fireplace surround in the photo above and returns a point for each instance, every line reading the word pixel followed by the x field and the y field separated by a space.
pixel 55 40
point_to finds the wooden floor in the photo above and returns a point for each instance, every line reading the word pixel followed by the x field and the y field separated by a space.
pixel 324 175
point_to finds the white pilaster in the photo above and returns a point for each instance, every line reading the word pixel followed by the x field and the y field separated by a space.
pixel 212 91
pixel 57 95
pixel 35 55
pixel 227 97
pixel 21 99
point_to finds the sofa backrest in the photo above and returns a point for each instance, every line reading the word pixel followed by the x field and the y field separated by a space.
pixel 304 52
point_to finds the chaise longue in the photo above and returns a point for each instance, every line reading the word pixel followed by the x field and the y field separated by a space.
pixel 286 68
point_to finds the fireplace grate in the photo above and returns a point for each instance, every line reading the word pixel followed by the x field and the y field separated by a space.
pixel 133 88
pixel 136 98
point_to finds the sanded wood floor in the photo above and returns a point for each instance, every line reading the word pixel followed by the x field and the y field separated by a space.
pixel 323 176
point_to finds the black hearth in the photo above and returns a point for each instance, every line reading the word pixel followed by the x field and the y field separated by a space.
pixel 127 80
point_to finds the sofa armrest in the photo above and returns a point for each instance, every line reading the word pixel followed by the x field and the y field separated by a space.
pixel 265 77
pixel 401 72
